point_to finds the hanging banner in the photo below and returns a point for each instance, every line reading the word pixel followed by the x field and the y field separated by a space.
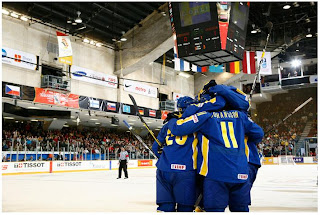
pixel 87 75
pixel 65 49
pixel 55 98
pixel 142 89
pixel 265 68
pixel 19 58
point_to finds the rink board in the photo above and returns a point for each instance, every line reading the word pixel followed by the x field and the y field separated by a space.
pixel 11 168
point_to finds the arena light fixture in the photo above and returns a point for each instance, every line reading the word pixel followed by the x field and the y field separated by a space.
pixel 183 74
pixel 54 118
pixel 85 40
pixel 93 119
pixel 78 19
pixel 114 125
pixel 286 7
pixel 24 18
pixel 15 15
pixel 297 50
pixel 5 12
pixel 254 31
pixel 8 117
pixel 97 123
pixel 74 23
pixel 98 44
pixel 295 63
pixel 65 125
pixel 92 42
pixel 34 120
pixel 123 39
pixel 309 35
pixel 157 129
pixel 33 107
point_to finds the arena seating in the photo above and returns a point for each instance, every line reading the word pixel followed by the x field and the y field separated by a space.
pixel 282 139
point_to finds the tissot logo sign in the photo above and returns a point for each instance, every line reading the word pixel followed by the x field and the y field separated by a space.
pixel 139 88
pixel 28 165
pixel 68 164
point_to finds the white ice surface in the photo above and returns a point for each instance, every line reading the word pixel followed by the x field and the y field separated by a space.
pixel 277 188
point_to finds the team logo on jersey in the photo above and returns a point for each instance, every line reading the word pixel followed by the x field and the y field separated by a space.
pixel 243 176
pixel 178 166
pixel 195 118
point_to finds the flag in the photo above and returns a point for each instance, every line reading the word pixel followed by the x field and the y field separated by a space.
pixel 65 49
pixel 152 113
pixel 265 68
pixel 126 109
pixel 94 103
pixel 204 69
pixel 195 68
pixel 249 62
pixel 141 111
pixel 218 68
pixel 111 106
pixel 12 90
pixel 233 67
pixel 179 64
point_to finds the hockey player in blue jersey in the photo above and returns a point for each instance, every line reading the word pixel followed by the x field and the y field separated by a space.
pixel 222 156
pixel 176 168
pixel 176 175
pixel 237 100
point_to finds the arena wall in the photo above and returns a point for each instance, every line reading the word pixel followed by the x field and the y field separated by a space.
pixel 33 39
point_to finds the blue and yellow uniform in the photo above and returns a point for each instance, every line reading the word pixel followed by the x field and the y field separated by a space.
pixel 222 158
pixel 212 104
pixel 176 174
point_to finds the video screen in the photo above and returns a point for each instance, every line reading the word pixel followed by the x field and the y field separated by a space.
pixel 192 13
pixel 239 13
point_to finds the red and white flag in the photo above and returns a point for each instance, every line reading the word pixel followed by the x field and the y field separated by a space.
pixel 249 62
pixel 152 113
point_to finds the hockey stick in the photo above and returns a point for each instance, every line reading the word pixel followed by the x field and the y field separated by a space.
pixel 269 25
pixel 293 112
pixel 139 138
pixel 142 120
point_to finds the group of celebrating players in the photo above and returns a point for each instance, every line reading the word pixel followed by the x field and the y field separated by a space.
pixel 208 158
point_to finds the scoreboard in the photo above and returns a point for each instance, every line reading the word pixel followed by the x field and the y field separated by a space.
pixel 209 33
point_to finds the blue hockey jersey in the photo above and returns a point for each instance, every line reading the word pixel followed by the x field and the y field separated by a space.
pixel 179 153
pixel 222 151
pixel 214 104
pixel 234 97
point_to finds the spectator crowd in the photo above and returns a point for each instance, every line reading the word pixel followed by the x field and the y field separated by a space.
pixel 26 136
pixel 283 138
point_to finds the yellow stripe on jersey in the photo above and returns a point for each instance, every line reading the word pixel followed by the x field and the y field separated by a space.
pixel 181 121
pixel 224 134
pixel 195 151
pixel 205 152
pixel 246 147
pixel 233 138
pixel 241 92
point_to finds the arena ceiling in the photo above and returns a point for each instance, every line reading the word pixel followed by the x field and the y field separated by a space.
pixel 109 21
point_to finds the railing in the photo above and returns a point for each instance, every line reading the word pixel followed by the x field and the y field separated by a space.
pixel 67 154
pixel 55 82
